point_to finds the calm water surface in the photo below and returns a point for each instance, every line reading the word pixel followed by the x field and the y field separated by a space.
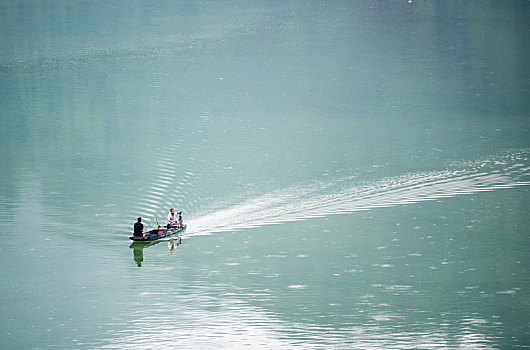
pixel 354 175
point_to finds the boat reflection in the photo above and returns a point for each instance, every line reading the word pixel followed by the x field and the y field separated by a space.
pixel 138 248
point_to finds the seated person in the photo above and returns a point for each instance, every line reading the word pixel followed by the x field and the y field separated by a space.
pixel 171 220
pixel 138 228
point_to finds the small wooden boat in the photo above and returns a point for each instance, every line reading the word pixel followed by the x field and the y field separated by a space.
pixel 158 233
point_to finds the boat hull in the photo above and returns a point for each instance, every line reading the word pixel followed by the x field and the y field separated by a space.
pixel 157 234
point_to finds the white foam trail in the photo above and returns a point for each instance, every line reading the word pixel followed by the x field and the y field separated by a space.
pixel 331 198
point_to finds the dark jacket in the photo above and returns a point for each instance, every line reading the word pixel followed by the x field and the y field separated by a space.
pixel 138 228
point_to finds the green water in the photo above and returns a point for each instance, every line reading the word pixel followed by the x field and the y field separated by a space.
pixel 354 175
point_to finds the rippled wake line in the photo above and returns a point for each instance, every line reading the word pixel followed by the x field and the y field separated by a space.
pixel 163 191
pixel 323 199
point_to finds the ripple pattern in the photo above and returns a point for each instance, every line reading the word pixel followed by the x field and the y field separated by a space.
pixel 320 199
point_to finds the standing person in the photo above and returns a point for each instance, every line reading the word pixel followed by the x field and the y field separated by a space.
pixel 179 220
pixel 138 228
pixel 171 220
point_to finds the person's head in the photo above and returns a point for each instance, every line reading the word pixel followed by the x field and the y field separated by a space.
pixel 172 211
pixel 139 219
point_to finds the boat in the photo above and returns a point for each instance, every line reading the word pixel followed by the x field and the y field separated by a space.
pixel 158 233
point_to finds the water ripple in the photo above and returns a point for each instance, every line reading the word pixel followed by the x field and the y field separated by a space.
pixel 319 199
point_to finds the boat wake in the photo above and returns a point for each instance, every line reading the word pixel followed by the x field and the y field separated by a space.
pixel 320 199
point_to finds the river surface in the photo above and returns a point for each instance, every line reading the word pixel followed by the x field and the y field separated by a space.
pixel 353 174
